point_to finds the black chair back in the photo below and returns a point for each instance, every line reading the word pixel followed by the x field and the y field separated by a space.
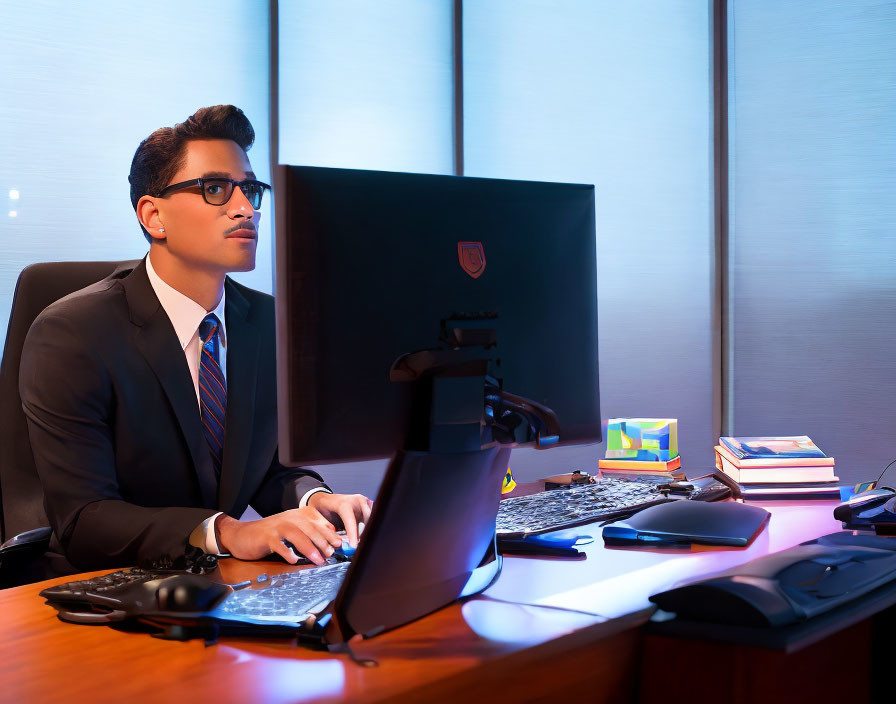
pixel 39 285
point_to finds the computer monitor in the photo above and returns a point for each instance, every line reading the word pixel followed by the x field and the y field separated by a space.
pixel 372 265
pixel 440 321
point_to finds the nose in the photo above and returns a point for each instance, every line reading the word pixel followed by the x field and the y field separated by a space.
pixel 239 206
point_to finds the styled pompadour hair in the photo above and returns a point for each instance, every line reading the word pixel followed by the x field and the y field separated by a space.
pixel 162 154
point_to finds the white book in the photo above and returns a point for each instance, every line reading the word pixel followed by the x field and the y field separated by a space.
pixel 775 475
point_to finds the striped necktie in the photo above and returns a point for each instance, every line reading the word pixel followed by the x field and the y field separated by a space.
pixel 212 390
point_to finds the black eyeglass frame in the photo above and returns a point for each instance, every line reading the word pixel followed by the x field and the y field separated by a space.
pixel 219 179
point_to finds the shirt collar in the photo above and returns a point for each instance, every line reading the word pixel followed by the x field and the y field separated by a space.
pixel 185 313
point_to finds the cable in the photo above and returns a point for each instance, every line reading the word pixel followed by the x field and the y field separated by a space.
pixel 884 472
pixel 344 647
pixel 540 606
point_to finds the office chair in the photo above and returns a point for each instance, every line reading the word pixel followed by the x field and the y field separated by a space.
pixel 24 530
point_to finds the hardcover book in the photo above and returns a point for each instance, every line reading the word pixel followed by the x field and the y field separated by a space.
pixel 828 491
pixel 774 461
pixel 780 474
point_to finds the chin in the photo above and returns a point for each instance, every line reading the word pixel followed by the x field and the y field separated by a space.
pixel 241 264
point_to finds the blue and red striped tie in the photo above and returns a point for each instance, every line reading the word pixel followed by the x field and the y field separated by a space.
pixel 212 390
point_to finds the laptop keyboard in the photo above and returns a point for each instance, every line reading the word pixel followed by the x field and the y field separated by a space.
pixel 288 596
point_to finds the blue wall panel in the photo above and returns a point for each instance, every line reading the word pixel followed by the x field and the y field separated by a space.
pixel 618 95
pixel 367 85
pixel 813 134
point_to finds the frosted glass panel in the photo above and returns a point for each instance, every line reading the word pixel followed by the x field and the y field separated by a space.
pixel 367 85
pixel 618 95
pixel 814 229
pixel 81 86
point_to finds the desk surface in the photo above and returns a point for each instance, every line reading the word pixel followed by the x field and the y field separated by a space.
pixel 511 649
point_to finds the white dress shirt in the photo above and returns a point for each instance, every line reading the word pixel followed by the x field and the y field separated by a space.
pixel 186 315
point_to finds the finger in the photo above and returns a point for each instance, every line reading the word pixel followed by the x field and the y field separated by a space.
pixel 313 540
pixel 366 507
pixel 305 546
pixel 322 531
pixel 284 551
pixel 349 522
pixel 328 534
pixel 325 537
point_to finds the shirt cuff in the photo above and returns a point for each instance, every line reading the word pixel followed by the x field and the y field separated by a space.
pixel 203 536
pixel 304 500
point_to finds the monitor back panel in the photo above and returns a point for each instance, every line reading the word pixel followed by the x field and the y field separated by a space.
pixel 369 264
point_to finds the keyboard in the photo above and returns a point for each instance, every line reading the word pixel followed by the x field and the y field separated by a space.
pixel 102 589
pixel 609 497
pixel 128 593
pixel 290 596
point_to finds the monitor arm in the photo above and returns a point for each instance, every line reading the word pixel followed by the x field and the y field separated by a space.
pixel 504 411
pixel 468 408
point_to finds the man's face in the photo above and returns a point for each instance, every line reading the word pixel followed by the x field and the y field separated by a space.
pixel 214 238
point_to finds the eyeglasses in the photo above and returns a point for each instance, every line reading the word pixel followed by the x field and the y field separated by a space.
pixel 217 191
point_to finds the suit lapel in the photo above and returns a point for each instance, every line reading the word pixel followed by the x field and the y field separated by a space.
pixel 243 345
pixel 157 342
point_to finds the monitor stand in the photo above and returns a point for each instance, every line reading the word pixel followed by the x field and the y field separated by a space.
pixel 431 536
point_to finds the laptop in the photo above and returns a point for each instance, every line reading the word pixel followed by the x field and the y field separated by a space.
pixel 430 540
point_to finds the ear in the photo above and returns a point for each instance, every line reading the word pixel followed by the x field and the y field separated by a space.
pixel 149 216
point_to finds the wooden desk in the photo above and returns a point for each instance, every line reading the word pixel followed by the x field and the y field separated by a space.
pixel 480 650
pixel 434 659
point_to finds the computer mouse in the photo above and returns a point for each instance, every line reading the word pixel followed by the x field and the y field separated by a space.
pixel 340 554
pixel 345 552
pixel 189 593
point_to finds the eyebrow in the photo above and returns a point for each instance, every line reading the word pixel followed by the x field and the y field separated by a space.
pixel 224 174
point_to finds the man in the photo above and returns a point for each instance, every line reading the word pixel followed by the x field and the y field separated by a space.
pixel 151 396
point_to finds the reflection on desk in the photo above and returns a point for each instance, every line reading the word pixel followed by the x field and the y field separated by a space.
pixel 617 581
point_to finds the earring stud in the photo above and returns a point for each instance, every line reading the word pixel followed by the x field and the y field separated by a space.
pixel 161 229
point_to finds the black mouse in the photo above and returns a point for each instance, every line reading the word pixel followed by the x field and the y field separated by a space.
pixel 189 593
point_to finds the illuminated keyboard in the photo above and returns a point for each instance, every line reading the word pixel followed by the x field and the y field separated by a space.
pixel 290 596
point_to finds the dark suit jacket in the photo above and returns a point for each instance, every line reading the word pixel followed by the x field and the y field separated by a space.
pixel 115 427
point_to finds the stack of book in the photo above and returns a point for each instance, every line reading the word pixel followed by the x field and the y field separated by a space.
pixel 642 446
pixel 640 466
pixel 778 467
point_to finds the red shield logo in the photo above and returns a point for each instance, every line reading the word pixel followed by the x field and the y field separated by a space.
pixel 472 258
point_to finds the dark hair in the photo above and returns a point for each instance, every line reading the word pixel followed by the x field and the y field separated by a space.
pixel 161 155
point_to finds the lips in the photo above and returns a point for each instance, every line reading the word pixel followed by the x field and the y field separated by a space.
pixel 243 233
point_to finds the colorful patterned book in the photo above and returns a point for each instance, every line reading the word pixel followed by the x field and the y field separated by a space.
pixel 643 439
pixel 798 446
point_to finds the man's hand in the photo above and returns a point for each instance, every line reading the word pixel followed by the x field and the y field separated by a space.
pixel 311 534
pixel 346 509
